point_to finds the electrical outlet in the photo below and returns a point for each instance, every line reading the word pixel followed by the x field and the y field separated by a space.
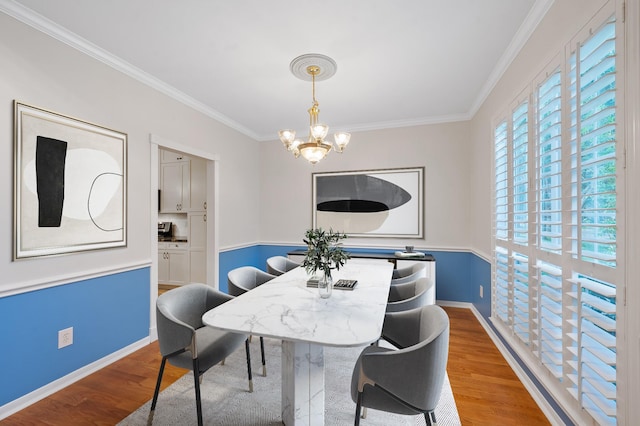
pixel 65 337
pixel 481 292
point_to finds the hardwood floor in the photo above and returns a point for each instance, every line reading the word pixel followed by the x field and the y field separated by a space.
pixel 162 288
pixel 486 390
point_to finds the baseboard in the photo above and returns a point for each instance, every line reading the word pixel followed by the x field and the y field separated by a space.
pixel 453 304
pixel 61 383
pixel 153 334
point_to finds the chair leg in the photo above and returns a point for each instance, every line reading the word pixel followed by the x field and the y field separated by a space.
pixel 196 379
pixel 264 362
pixel 430 418
pixel 246 346
pixel 157 391
pixel 356 421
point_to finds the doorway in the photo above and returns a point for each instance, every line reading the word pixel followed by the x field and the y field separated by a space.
pixel 194 225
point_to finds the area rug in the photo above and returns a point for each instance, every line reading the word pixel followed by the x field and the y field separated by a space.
pixel 226 400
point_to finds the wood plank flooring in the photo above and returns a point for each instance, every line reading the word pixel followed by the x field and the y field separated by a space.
pixel 486 390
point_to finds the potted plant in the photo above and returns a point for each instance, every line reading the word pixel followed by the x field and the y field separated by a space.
pixel 324 253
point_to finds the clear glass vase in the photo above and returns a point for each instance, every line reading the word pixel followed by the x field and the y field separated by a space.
pixel 325 285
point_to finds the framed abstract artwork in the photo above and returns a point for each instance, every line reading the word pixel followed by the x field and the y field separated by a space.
pixel 70 184
pixel 370 203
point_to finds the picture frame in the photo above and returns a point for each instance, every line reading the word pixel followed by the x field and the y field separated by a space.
pixel 70 184
pixel 386 203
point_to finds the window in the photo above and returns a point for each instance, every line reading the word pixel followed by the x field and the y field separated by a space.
pixel 592 82
pixel 520 175
pixel 549 164
pixel 556 220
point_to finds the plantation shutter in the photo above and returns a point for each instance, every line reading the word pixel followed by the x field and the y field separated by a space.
pixel 593 347
pixel 592 325
pixel 521 296
pixel 550 317
pixel 520 176
pixel 501 223
pixel 501 185
pixel 549 303
pixel 556 227
pixel 593 148
pixel 549 164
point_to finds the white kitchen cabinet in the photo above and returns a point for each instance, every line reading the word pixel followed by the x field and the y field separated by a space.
pixel 183 183
pixel 198 266
pixel 167 156
pixel 198 179
pixel 173 263
pixel 197 230
pixel 175 187
pixel 198 246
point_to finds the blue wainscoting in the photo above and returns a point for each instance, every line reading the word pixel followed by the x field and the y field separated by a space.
pixel 107 314
pixel 481 276
pixel 458 274
pixel 249 256
pixel 454 277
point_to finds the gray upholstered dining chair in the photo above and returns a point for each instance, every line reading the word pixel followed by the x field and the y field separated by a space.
pixel 408 380
pixel 409 273
pixel 410 295
pixel 186 342
pixel 278 265
pixel 242 279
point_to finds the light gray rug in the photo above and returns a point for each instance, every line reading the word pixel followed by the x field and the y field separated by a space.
pixel 226 400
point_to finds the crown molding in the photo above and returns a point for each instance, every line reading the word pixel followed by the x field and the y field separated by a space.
pixel 48 27
pixel 531 22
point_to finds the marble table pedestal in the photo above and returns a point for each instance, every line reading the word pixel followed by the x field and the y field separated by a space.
pixel 302 383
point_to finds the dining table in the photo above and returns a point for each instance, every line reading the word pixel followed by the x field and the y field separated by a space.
pixel 286 308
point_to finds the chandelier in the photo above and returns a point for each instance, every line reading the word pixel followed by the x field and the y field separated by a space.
pixel 314 67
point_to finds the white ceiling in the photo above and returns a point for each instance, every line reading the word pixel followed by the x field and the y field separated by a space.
pixel 399 63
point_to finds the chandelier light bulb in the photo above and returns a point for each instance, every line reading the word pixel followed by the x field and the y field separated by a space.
pixel 319 131
pixel 294 147
pixel 314 152
pixel 287 136
pixel 342 139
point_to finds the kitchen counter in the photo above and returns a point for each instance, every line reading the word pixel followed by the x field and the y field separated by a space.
pixel 172 240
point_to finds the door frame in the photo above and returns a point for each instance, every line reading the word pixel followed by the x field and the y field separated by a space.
pixel 212 176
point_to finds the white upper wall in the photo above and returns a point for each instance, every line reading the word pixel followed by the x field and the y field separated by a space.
pixel 43 72
pixel 442 149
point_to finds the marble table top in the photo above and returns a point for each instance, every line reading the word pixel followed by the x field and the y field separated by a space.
pixel 285 308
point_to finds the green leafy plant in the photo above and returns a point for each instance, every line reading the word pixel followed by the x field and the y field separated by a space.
pixel 324 251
